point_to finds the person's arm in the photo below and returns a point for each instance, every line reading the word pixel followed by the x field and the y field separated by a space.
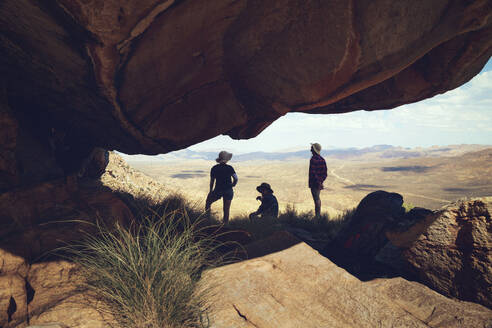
pixel 317 172
pixel 324 171
pixel 212 180
pixel 261 209
pixel 234 179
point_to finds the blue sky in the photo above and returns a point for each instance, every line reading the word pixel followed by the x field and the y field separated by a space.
pixel 460 116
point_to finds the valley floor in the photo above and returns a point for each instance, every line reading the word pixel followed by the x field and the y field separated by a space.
pixel 427 182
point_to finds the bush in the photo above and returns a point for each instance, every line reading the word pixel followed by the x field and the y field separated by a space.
pixel 147 274
pixel 407 207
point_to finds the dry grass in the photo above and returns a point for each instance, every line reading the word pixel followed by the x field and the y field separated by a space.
pixel 148 273
pixel 292 218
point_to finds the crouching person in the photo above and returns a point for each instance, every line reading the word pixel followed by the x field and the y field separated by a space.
pixel 269 204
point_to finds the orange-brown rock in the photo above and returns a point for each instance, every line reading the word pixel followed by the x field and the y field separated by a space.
pixel 13 293
pixel 39 219
pixel 51 283
pixel 297 287
pixel 76 311
pixel 158 75
pixel 291 288
pixel 51 292
pixel 451 250
pixel 432 308
pixel 13 300
pixel 12 264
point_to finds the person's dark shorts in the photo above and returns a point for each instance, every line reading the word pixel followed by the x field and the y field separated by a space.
pixel 228 194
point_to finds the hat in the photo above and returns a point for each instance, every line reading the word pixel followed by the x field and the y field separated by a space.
pixel 224 157
pixel 265 186
pixel 316 147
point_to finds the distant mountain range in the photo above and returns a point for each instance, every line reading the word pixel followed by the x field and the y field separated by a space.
pixel 377 152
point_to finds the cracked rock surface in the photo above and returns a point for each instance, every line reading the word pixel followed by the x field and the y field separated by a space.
pixel 297 287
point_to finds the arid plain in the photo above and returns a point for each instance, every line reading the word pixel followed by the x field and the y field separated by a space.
pixel 425 181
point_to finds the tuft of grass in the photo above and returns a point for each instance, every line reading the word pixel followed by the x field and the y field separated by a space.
pixel 292 218
pixel 147 274
pixel 407 207
pixel 258 228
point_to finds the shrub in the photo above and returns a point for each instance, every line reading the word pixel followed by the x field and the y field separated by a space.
pixel 147 274
pixel 407 207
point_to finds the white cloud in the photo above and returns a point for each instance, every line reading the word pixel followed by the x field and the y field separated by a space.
pixel 463 115
pixel 463 108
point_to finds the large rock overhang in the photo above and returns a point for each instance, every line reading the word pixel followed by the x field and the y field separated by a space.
pixel 152 76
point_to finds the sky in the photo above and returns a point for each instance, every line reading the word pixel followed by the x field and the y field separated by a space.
pixel 459 116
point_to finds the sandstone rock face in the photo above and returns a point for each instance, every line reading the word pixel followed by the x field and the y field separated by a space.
pixel 453 252
pixel 76 311
pixel 13 300
pixel 295 287
pixel 37 219
pixel 13 295
pixel 44 293
pixel 432 308
pixel 48 277
pixel 299 288
pixel 58 297
pixel 153 76
pixel 31 217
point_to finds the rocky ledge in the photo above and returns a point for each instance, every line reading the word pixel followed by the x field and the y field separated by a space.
pixel 151 76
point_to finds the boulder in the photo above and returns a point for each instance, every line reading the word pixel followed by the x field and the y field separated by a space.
pixel 12 264
pixel 297 287
pixel 95 164
pixel 50 296
pixel 13 292
pixel 52 282
pixel 13 300
pixel 432 308
pixel 364 234
pixel 45 216
pixel 451 250
pixel 276 242
pixel 406 230
pixel 74 311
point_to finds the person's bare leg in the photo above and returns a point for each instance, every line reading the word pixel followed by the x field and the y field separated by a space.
pixel 227 207
pixel 317 207
pixel 208 203
pixel 317 201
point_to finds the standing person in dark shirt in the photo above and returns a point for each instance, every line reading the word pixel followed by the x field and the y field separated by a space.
pixel 269 204
pixel 317 174
pixel 225 178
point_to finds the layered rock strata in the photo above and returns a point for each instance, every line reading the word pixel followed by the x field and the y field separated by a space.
pixel 451 250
